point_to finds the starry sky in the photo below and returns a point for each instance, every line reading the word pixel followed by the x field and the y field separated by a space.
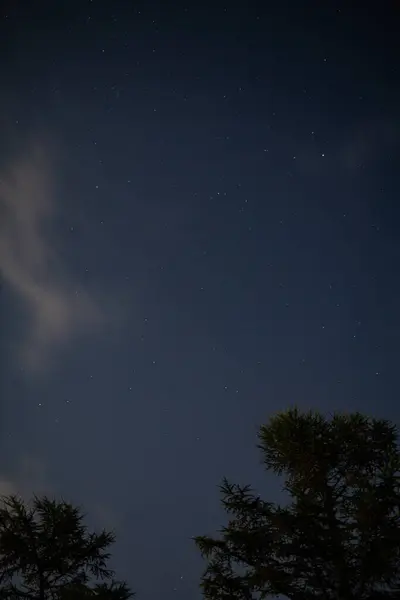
pixel 199 225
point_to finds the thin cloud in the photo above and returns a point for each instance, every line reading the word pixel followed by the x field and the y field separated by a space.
pixel 30 477
pixel 27 477
pixel 7 487
pixel 31 266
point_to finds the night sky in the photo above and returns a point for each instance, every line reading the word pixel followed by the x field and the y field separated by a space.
pixel 199 226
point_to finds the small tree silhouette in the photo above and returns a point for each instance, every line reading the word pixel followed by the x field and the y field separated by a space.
pixel 46 552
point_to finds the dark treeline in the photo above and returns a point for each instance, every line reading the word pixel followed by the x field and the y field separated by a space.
pixel 336 538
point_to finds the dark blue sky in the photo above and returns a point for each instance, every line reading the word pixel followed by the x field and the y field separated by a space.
pixel 199 226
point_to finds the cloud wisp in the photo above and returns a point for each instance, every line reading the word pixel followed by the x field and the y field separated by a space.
pixel 33 269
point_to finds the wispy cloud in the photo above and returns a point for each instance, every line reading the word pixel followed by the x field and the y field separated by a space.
pixel 31 265
pixel 7 487
pixel 28 477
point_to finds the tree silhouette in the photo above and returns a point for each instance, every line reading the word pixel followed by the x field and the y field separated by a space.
pixel 339 535
pixel 47 553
